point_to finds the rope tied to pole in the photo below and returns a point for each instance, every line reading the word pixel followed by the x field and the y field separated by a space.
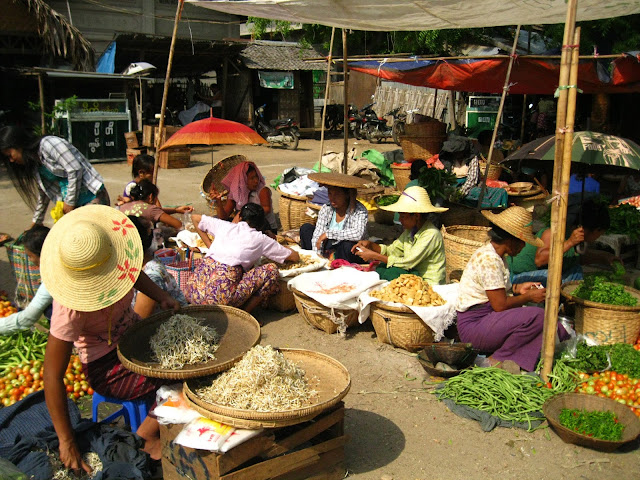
pixel 565 87
pixel 382 62
pixel 557 197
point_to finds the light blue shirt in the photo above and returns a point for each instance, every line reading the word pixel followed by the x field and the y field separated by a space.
pixel 336 226
pixel 26 318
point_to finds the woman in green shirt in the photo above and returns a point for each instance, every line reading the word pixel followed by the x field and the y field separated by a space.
pixel 419 250
pixel 531 264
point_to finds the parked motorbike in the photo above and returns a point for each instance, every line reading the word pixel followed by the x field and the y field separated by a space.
pixel 356 123
pixel 399 121
pixel 376 128
pixel 283 132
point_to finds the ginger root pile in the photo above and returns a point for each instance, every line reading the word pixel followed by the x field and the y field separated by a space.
pixel 409 290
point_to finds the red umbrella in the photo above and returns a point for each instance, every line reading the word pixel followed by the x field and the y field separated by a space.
pixel 213 131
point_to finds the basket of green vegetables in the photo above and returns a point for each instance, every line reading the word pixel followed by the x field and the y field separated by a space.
pixel 605 311
pixel 594 422
pixel 381 216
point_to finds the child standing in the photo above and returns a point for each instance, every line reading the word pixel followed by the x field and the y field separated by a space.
pixel 142 169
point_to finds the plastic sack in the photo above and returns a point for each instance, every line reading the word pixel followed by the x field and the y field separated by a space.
pixel 171 407
pixel 8 471
pixel 204 434
pixel 386 174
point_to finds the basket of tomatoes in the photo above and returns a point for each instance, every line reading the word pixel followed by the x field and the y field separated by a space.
pixel 6 307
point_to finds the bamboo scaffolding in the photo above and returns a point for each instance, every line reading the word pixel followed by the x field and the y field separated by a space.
pixel 345 68
pixel 327 87
pixel 561 172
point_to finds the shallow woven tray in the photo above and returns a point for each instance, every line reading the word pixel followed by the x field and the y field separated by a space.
pixel 525 193
pixel 607 324
pixel 432 370
pixel 239 332
pixel 218 172
pixel 328 377
pixel 554 406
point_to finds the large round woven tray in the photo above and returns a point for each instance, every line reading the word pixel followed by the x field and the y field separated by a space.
pixel 460 242
pixel 399 326
pixel 238 330
pixel 554 406
pixel 218 172
pixel 321 317
pixel 607 324
pixel 328 377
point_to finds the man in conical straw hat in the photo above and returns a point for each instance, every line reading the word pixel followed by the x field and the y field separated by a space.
pixel 91 262
pixel 488 318
pixel 419 250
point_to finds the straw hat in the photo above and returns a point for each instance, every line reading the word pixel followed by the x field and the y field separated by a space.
pixel 414 200
pixel 91 258
pixel 337 180
pixel 517 221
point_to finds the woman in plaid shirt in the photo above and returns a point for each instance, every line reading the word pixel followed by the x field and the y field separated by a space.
pixel 342 223
pixel 49 169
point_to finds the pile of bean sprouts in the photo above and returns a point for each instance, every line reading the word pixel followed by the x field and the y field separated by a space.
pixel 183 340
pixel 263 381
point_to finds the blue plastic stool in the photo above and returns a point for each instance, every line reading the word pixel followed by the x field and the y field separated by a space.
pixel 134 411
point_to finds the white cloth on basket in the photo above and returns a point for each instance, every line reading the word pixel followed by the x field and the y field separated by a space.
pixel 437 319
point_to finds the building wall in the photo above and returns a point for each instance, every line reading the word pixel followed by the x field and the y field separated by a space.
pixel 102 20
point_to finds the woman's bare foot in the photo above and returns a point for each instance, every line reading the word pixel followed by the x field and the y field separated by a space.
pixel 149 430
pixel 506 365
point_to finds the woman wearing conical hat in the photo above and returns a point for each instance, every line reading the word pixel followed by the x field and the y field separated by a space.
pixel 488 318
pixel 419 250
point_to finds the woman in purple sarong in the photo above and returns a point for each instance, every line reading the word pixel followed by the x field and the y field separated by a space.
pixel 488 318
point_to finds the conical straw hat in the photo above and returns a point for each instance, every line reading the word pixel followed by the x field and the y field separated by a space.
pixel 338 180
pixel 517 221
pixel 414 200
pixel 91 258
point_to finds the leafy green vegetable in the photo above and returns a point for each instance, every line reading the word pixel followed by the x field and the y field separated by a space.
pixel 624 358
pixel 438 183
pixel 598 288
pixel 387 200
pixel 625 220
pixel 602 425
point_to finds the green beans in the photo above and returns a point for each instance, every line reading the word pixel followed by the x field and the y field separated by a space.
pixel 514 398
pixel 21 347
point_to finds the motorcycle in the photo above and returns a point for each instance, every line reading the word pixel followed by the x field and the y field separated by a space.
pixel 399 121
pixel 280 132
pixel 356 123
pixel 376 128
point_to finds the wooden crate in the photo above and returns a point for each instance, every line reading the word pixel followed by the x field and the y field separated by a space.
pixel 174 158
pixel 134 139
pixel 166 134
pixel 133 153
pixel 310 450
pixel 148 135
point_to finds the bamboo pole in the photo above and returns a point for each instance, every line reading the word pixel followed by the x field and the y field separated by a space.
pixel 471 57
pixel 43 122
pixel 452 108
pixel 165 92
pixel 327 87
pixel 435 102
pixel 505 90
pixel 345 68
pixel 561 172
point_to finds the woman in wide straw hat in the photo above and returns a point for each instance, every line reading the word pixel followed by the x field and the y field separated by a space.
pixel 342 223
pixel 419 250
pixel 488 318
pixel 91 261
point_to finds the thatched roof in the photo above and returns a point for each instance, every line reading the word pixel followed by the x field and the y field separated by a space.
pixel 270 55
pixel 59 36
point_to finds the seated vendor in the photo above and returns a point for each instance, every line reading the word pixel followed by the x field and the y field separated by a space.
pixel 419 250
pixel 342 223
pixel 488 318
pixel 530 265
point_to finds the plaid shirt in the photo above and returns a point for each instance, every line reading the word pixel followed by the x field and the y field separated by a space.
pixel 355 225
pixel 66 162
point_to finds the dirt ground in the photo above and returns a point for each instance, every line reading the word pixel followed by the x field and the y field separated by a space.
pixel 398 429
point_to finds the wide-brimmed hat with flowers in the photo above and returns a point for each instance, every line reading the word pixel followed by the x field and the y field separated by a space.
pixel 517 221
pixel 91 258
pixel 414 200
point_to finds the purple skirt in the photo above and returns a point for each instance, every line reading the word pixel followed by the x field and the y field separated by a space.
pixel 514 334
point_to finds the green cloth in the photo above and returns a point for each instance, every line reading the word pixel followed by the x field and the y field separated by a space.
pixel 525 260
pixel 386 174
pixel 493 197
pixel 423 253
pixel 391 273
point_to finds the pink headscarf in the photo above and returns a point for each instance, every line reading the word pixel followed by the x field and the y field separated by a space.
pixel 236 183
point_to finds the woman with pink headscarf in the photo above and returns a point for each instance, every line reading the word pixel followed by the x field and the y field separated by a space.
pixel 245 184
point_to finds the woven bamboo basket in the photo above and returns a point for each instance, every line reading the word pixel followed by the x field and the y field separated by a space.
pixel 591 403
pixel 321 317
pixel 383 217
pixel 421 147
pixel 399 326
pixel 460 241
pixel 292 209
pixel 370 194
pixel 328 377
pixel 425 129
pixel 494 170
pixel 218 172
pixel 606 324
pixel 283 301
pixel 401 173
pixel 459 214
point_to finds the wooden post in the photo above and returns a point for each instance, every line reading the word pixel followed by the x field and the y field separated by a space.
pixel 561 173
pixel 327 87
pixel 225 79
pixel 505 90
pixel 452 108
pixel 435 102
pixel 345 68
pixel 165 92
pixel 43 122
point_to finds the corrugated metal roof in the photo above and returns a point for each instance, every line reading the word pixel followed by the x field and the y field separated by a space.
pixel 285 56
